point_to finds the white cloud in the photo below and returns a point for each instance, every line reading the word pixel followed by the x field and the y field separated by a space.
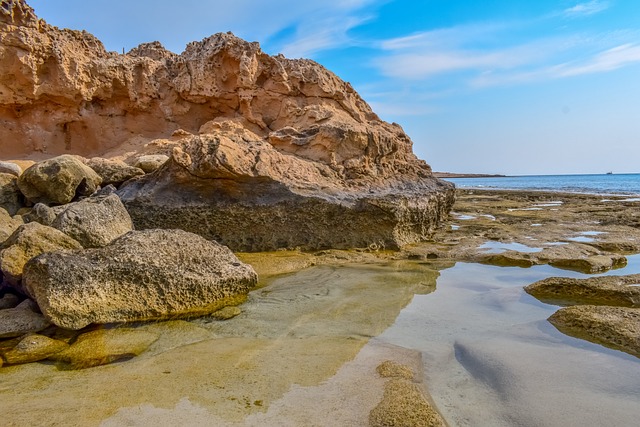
pixel 588 8
pixel 609 60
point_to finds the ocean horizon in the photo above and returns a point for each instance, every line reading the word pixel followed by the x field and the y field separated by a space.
pixel 605 184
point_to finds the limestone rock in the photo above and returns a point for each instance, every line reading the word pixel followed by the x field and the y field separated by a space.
pixel 615 327
pixel 28 241
pixel 23 319
pixel 404 405
pixel 10 197
pixel 226 313
pixel 42 214
pixel 151 162
pixel 606 290
pixel 113 171
pixel 104 346
pixel 33 348
pixel 9 301
pixel 151 274
pixel 95 221
pixel 10 168
pixel 234 188
pixel 8 224
pixel 58 180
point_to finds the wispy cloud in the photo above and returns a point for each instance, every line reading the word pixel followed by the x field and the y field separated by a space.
pixel 587 8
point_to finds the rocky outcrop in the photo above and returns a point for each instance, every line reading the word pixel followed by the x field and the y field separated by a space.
pixel 58 180
pixel 327 172
pixel 615 327
pixel 142 275
pixel 94 221
pixel 233 187
pixel 621 291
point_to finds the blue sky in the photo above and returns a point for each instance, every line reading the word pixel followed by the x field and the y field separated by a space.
pixel 495 86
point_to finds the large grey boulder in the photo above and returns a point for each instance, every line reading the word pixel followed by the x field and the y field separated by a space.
pixel 10 197
pixel 242 192
pixel 28 241
pixel 113 171
pixel 151 274
pixel 94 221
pixel 58 180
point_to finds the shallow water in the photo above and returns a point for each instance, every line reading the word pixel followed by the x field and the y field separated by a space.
pixel 494 247
pixel 492 359
pixel 307 345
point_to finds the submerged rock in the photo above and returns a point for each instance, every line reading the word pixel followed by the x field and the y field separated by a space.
pixel 104 346
pixel 94 221
pixel 151 274
pixel 33 348
pixel 58 180
pixel 607 290
pixel 615 327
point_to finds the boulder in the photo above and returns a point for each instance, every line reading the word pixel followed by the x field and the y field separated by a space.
pixel 104 346
pixel 9 301
pixel 10 168
pixel 42 214
pixel 23 319
pixel 151 162
pixel 33 348
pixel 10 196
pixel 58 180
pixel 615 327
pixel 240 191
pixel 8 224
pixel 28 241
pixel 94 221
pixel 621 291
pixel 151 274
pixel 113 171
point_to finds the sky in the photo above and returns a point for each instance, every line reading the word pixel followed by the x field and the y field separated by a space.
pixel 516 87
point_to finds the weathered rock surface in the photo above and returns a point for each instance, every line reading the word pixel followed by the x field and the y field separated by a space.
pixel 615 327
pixel 8 224
pixel 113 171
pixel 150 162
pixel 9 301
pixel 32 348
pixel 10 168
pixel 10 196
pixel 20 320
pixel 94 221
pixel 290 155
pixel 621 291
pixel 58 180
pixel 151 274
pixel 104 346
pixel 28 241
pixel 234 188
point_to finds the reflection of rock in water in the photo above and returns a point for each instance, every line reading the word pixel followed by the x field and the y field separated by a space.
pixel 285 353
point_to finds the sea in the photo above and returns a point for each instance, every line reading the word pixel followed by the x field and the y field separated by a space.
pixel 605 184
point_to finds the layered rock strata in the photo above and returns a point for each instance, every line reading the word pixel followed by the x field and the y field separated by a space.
pixel 311 165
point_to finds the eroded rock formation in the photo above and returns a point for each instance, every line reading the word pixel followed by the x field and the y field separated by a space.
pixel 248 134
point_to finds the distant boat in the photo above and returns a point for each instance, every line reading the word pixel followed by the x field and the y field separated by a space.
pixel 609 173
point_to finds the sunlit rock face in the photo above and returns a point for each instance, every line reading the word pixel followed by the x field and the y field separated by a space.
pixel 314 143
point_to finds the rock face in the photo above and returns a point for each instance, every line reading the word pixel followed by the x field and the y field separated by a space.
pixel 150 274
pixel 317 159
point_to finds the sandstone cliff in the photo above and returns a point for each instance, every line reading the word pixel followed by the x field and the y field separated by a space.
pixel 279 138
